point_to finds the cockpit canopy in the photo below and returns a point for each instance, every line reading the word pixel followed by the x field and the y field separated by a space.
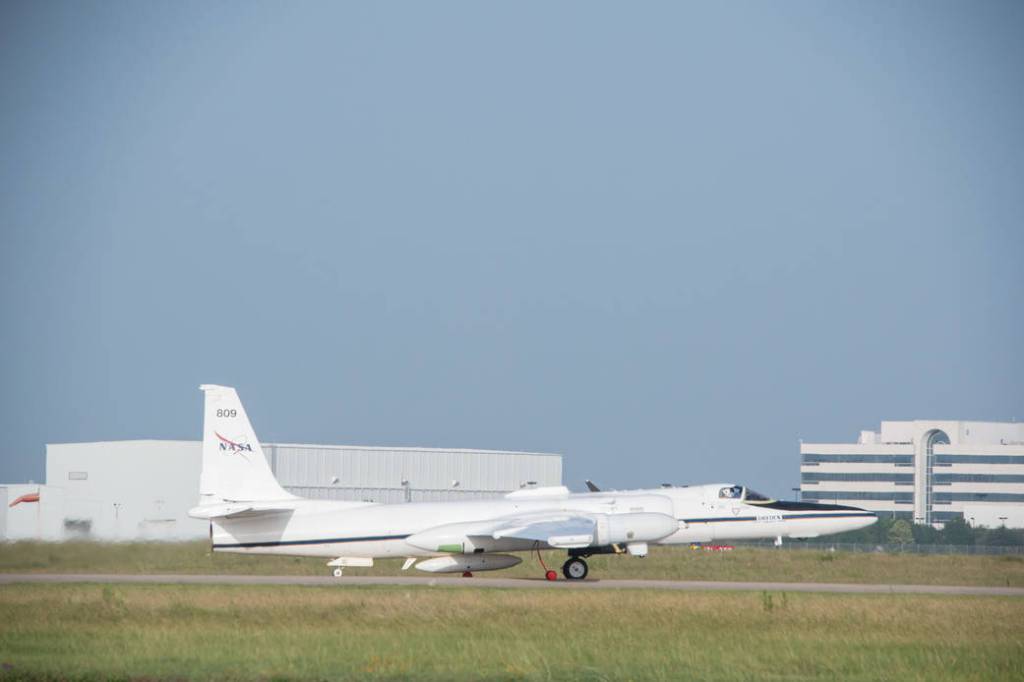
pixel 739 492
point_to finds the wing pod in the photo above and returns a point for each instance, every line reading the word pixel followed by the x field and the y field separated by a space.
pixel 590 530
pixel 565 533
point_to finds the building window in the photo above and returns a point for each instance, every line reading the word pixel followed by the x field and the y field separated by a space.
pixel 946 479
pixel 861 477
pixel 811 458
pixel 827 496
pixel 978 497
pixel 979 459
pixel 77 527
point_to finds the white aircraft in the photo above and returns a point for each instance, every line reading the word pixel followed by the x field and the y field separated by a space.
pixel 249 512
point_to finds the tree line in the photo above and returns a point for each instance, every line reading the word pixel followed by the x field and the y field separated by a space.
pixel 889 531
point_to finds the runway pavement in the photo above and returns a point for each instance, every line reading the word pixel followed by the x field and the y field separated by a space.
pixel 506 583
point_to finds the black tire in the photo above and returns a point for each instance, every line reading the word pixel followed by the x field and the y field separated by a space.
pixel 575 569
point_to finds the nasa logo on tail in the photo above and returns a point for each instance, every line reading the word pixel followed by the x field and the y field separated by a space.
pixel 230 446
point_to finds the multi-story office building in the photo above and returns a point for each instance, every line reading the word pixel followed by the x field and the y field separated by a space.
pixel 925 471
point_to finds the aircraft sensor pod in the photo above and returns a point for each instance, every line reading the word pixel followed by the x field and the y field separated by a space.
pixel 460 563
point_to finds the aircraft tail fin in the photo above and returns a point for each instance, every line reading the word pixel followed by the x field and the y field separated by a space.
pixel 234 466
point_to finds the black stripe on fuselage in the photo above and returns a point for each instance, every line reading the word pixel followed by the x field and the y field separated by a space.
pixel 785 517
pixel 327 541
pixel 784 505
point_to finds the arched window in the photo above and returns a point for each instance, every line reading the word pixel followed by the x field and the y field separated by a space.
pixel 932 438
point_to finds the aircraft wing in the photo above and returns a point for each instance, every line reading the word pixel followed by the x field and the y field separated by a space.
pixel 558 530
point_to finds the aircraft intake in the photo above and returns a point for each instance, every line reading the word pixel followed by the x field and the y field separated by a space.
pixel 635 527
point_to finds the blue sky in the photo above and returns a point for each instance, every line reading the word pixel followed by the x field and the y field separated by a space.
pixel 665 239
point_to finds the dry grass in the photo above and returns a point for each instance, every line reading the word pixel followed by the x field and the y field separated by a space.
pixel 663 564
pixel 206 632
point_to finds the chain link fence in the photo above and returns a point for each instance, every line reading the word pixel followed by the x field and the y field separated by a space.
pixel 909 548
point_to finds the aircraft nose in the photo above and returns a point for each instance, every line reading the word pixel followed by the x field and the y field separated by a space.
pixel 866 517
pixel 856 518
pixel 865 512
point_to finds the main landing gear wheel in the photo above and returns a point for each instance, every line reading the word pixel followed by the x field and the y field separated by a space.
pixel 336 572
pixel 575 569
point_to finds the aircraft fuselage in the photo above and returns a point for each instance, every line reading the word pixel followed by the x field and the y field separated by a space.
pixel 353 529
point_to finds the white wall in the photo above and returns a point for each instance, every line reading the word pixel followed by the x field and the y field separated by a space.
pixel 129 489
pixel 959 432
pixel 992 432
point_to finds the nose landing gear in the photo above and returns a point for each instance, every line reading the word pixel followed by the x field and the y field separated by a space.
pixel 574 568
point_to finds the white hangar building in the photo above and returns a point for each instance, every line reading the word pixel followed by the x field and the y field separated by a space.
pixel 924 471
pixel 143 489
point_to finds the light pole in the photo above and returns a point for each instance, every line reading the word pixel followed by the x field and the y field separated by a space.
pixel 797 491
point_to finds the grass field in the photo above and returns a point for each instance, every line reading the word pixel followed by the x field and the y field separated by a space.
pixel 663 564
pixel 234 632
